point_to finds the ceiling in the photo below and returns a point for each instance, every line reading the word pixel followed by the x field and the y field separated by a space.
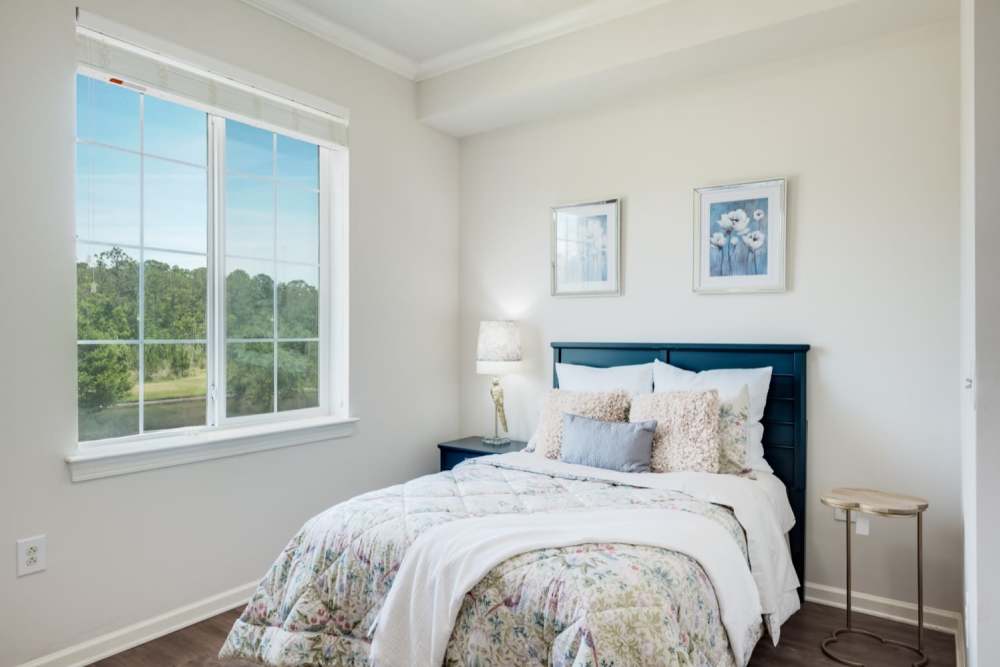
pixel 475 73
pixel 419 39
pixel 423 30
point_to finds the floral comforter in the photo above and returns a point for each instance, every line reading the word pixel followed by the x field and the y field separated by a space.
pixel 593 605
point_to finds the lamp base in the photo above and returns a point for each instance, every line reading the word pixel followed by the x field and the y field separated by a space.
pixel 496 441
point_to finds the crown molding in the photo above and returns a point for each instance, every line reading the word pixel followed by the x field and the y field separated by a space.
pixel 591 14
pixel 306 19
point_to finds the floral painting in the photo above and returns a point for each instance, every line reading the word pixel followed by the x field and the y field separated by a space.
pixel 585 249
pixel 740 237
pixel 738 245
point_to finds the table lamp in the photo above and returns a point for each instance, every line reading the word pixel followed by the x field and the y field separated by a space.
pixel 498 352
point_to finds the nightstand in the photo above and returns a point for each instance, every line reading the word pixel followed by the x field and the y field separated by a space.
pixel 456 451
pixel 879 503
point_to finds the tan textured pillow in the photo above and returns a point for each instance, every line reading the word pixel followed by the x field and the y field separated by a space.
pixel 734 417
pixel 609 406
pixel 687 429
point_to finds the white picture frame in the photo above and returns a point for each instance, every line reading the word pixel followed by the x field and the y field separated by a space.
pixel 740 239
pixel 586 249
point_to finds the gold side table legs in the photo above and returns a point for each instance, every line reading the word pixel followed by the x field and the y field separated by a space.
pixel 850 629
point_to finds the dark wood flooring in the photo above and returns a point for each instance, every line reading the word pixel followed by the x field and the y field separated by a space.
pixel 197 646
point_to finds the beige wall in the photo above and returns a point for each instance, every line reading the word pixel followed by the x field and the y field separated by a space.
pixel 125 549
pixel 868 138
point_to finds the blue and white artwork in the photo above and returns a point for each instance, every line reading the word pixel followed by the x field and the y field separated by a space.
pixel 585 249
pixel 738 238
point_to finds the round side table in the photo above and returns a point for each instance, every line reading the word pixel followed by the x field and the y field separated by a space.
pixel 879 503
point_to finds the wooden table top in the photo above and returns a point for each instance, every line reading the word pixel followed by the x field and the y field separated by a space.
pixel 871 501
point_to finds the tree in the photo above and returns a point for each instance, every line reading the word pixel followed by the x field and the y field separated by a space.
pixel 175 308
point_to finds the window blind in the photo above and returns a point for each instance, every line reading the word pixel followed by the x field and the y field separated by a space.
pixel 150 71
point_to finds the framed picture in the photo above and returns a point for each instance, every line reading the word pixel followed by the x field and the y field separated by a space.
pixel 739 237
pixel 586 249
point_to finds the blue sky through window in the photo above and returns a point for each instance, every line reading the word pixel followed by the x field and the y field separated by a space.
pixel 144 272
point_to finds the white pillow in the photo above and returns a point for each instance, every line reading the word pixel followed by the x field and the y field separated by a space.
pixel 729 382
pixel 636 379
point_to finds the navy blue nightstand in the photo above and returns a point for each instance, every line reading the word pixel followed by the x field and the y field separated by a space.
pixel 456 451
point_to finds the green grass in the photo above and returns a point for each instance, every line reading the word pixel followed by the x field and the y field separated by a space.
pixel 188 386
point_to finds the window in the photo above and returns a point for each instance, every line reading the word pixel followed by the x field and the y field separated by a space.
pixel 203 276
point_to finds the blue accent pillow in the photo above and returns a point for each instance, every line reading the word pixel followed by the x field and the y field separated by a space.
pixel 621 446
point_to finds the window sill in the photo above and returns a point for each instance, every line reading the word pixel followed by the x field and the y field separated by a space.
pixel 94 462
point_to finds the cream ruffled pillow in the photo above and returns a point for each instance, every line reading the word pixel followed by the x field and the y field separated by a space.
pixel 611 406
pixel 687 429
pixel 734 418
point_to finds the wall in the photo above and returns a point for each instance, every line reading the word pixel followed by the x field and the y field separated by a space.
pixel 128 548
pixel 981 321
pixel 868 138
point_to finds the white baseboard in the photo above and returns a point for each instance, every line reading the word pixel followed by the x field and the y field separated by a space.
pixel 117 641
pixel 893 610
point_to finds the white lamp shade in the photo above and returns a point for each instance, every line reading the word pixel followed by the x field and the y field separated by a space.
pixel 498 350
pixel 497 367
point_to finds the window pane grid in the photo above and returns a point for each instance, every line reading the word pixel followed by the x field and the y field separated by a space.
pixel 271 179
pixel 155 243
pixel 91 142
pixel 270 340
pixel 149 341
pixel 293 362
pixel 127 246
pixel 142 277
pixel 167 370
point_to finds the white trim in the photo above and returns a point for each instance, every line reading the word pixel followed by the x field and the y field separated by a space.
pixel 111 643
pixel 316 24
pixel 90 462
pixel 340 277
pixel 591 14
pixel 942 620
pixel 581 18
pixel 232 75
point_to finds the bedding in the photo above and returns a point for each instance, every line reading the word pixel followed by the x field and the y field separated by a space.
pixel 636 379
pixel 687 429
pixel 588 604
pixel 728 382
pixel 621 446
pixel 442 565
pixel 610 406
pixel 734 416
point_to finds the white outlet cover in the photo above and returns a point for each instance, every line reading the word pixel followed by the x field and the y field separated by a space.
pixel 841 515
pixel 31 555
pixel 862 526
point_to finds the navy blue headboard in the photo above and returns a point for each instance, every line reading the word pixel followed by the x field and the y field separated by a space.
pixel 784 416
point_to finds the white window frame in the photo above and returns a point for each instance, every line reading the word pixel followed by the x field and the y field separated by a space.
pixel 223 435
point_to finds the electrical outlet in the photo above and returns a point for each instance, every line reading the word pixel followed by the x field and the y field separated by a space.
pixel 841 515
pixel 862 523
pixel 30 555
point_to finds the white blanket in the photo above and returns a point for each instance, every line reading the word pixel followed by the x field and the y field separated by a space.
pixel 751 501
pixel 446 562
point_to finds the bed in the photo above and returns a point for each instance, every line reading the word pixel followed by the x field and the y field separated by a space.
pixel 556 577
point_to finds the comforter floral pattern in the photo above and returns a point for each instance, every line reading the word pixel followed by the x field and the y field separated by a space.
pixel 593 605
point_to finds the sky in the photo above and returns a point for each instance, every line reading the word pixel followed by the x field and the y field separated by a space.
pixel 271 185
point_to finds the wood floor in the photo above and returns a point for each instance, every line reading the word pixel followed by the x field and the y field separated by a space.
pixel 197 646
